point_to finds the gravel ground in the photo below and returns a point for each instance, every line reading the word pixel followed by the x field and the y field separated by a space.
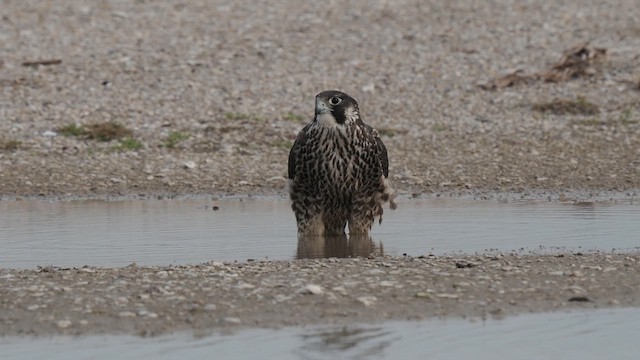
pixel 155 300
pixel 236 87
pixel 214 93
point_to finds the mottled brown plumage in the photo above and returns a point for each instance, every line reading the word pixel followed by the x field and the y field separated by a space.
pixel 338 170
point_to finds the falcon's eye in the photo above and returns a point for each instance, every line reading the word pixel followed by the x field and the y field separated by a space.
pixel 335 100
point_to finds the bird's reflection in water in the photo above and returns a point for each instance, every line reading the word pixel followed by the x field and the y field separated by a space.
pixel 340 246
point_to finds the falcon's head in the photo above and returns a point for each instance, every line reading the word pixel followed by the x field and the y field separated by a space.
pixel 335 108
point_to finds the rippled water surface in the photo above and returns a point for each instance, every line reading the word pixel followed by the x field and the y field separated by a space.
pixel 114 233
pixel 601 334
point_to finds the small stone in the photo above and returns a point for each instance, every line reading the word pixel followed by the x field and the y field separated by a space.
pixel 465 264
pixel 576 289
pixel 63 324
pixel 340 290
pixel 370 88
pixel 83 322
pixel 422 295
pixel 121 300
pixel 49 133
pixel 244 285
pixel 367 300
pixel 281 298
pixel 232 320
pixel 277 179
pixel 189 165
pixel 312 289
pixel 447 296
pixel 33 307
pixel 210 307
pixel 126 314
pixel 386 284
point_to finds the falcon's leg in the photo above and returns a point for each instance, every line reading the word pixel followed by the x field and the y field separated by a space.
pixel 310 224
pixel 363 213
pixel 335 221
pixel 360 225
pixel 308 216
pixel 360 221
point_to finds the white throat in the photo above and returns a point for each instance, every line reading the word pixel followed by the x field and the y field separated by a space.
pixel 326 120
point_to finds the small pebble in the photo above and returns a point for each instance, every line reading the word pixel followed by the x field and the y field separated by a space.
pixel 367 300
pixel 232 320
pixel 312 289
pixel 63 324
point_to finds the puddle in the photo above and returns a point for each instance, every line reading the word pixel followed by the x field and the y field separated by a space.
pixel 600 334
pixel 117 233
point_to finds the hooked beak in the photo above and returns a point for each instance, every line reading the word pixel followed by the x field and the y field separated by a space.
pixel 321 107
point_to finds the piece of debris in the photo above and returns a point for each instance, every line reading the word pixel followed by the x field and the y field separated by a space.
pixel 578 61
pixel 515 78
pixel 580 106
pixel 465 264
pixel 579 299
pixel 42 62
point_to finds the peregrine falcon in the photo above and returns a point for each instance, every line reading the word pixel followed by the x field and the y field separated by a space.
pixel 338 170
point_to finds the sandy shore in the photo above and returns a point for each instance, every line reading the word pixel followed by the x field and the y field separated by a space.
pixel 155 300
pixel 210 98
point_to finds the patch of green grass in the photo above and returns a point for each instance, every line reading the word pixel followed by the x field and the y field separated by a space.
pixel 9 145
pixel 107 131
pixel 72 130
pixel 580 106
pixel 439 127
pixel 289 116
pixel 129 144
pixel 285 144
pixel 174 138
pixel 626 118
pixel 234 116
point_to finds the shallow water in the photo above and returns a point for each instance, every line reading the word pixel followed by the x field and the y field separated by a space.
pixel 601 334
pixel 116 233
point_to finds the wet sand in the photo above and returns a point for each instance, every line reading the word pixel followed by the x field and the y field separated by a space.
pixel 217 296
